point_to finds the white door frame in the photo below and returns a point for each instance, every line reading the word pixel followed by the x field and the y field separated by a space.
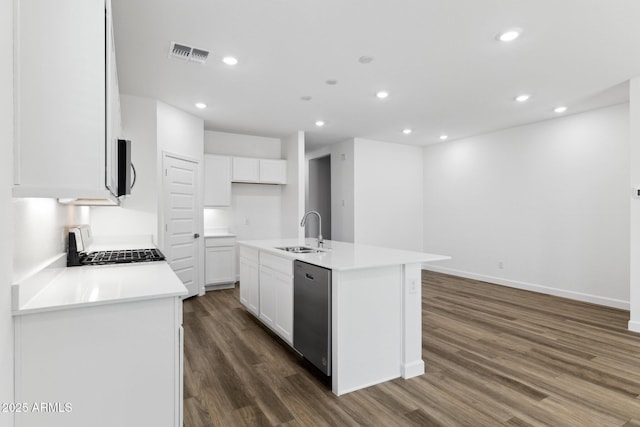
pixel 199 213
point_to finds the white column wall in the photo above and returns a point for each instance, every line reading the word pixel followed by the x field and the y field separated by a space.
pixel 293 192
pixel 634 208
pixel 388 194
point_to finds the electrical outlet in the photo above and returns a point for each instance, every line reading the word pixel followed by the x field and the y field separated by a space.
pixel 500 265
pixel 413 286
pixel 246 221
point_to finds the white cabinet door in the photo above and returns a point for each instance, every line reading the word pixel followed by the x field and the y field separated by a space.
pixel 60 102
pixel 217 181
pixel 249 285
pixel 273 171
pixel 245 169
pixel 114 364
pixel 220 265
pixel 268 299
pixel 284 310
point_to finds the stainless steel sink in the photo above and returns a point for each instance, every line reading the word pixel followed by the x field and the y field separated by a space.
pixel 299 249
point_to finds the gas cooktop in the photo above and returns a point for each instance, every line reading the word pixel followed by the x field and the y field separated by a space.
pixel 120 256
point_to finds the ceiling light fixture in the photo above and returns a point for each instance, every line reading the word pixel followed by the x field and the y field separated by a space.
pixel 509 35
pixel 365 59
pixel 523 98
pixel 407 131
pixel 230 60
pixel 306 98
pixel 560 110
pixel 319 123
pixel 382 94
pixel 201 105
pixel 331 82
pixel 444 137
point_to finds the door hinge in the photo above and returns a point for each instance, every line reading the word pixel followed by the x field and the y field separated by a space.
pixel 166 228
pixel 165 172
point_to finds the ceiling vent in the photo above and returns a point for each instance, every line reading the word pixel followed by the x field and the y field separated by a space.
pixel 188 53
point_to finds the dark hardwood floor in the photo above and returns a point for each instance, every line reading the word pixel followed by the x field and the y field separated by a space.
pixel 494 356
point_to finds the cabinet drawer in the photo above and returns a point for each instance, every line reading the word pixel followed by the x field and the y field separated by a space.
pixel 249 253
pixel 283 265
pixel 212 242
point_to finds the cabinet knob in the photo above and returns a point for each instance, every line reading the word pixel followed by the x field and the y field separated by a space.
pixel 196 235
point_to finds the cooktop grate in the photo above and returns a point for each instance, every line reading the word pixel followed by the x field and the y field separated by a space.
pixel 121 256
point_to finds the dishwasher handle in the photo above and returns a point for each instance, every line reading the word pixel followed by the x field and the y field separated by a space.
pixel 308 276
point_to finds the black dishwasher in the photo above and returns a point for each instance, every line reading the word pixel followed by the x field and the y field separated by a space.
pixel 312 314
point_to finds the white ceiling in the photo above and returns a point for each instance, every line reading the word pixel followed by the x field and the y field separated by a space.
pixel 439 60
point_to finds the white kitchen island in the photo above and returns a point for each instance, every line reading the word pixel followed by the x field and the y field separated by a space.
pixel 376 310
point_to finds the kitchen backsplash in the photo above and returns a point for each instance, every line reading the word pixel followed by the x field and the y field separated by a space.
pixel 39 232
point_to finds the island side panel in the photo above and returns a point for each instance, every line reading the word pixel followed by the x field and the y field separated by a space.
pixel 367 324
pixel 412 363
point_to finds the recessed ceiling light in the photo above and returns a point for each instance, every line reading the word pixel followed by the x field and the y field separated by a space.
pixel 365 59
pixel 201 105
pixel 382 94
pixel 407 131
pixel 509 35
pixel 444 137
pixel 561 109
pixel 522 98
pixel 331 82
pixel 230 60
pixel 306 98
pixel 319 123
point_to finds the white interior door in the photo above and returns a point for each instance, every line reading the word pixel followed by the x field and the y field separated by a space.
pixel 181 220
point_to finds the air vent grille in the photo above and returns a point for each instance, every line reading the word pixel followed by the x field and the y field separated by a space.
pixel 187 53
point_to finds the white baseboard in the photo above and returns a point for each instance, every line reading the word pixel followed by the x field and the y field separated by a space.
pixel 634 326
pixel 413 369
pixel 578 296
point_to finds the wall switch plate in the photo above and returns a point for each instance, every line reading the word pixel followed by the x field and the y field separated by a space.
pixel 413 286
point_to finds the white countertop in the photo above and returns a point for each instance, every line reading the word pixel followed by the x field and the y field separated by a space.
pixel 105 284
pixel 57 287
pixel 344 256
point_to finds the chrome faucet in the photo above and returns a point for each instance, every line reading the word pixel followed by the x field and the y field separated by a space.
pixel 304 221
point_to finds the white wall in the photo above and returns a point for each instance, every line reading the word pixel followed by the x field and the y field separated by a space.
pixel 634 208
pixel 44 221
pixel 239 145
pixel 388 194
pixel 550 201
pixel 137 213
pixel 293 192
pixel 6 180
pixel 256 209
pixel 342 191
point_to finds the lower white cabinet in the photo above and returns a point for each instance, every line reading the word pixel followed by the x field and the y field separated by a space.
pixel 109 365
pixel 276 294
pixel 268 301
pixel 266 289
pixel 249 280
pixel 220 261
pixel 284 306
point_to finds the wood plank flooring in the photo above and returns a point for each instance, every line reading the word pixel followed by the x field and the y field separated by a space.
pixel 494 356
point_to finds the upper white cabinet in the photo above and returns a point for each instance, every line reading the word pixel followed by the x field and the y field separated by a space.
pixel 246 169
pixel 217 184
pixel 65 75
pixel 273 171
pixel 260 171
